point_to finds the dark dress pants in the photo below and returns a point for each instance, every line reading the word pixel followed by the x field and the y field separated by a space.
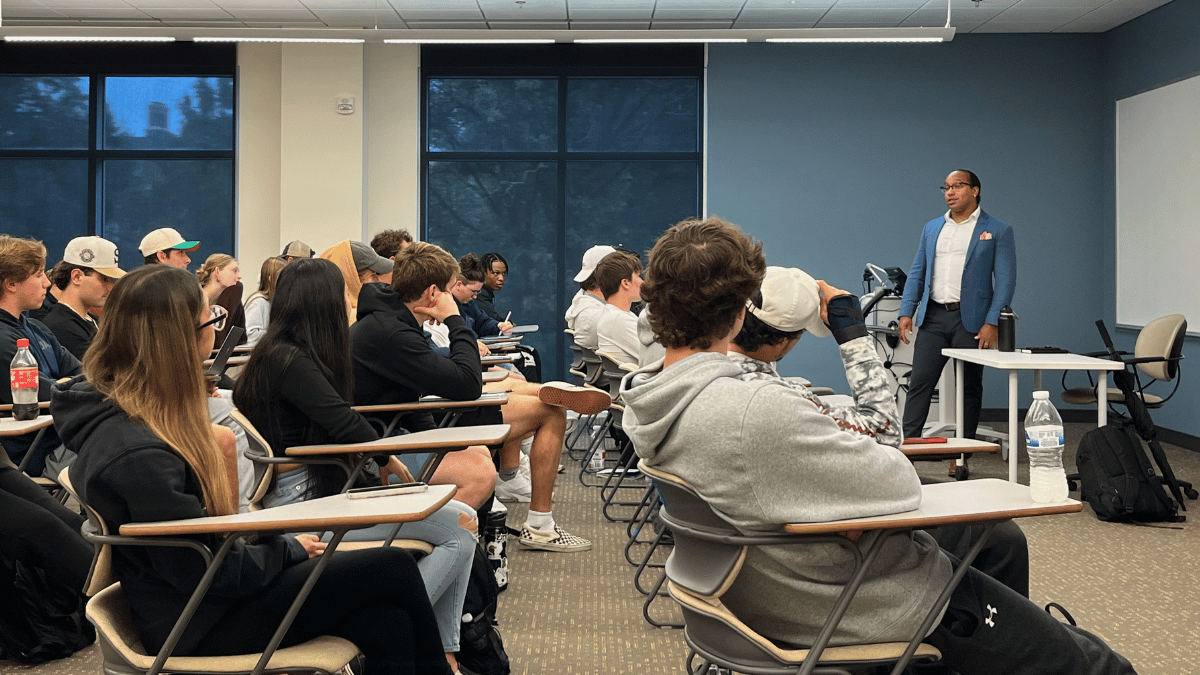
pixel 942 329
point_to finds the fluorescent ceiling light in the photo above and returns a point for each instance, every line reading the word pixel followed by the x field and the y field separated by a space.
pixel 83 38
pixel 478 41
pixel 655 40
pixel 279 39
pixel 856 39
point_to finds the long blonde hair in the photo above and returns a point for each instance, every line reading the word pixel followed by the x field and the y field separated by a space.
pixel 145 358
pixel 215 262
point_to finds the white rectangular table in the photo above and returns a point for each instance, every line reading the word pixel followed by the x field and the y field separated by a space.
pixel 1017 361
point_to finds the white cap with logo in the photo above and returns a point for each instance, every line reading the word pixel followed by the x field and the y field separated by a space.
pixel 163 239
pixel 791 302
pixel 94 253
pixel 591 258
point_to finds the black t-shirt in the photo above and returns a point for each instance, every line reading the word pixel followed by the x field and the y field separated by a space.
pixel 74 332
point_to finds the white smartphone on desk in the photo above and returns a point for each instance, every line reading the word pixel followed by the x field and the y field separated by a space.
pixel 386 490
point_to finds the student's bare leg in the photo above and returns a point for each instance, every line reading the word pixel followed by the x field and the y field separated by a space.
pixel 472 471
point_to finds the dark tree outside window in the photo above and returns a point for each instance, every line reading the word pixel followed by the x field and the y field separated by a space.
pixel 540 153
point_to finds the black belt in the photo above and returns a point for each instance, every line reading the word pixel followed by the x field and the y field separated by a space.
pixel 949 306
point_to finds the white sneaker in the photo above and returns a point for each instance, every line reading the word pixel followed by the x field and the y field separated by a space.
pixel 558 540
pixel 518 489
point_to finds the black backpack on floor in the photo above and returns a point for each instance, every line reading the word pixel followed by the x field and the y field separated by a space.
pixel 481 649
pixel 1117 479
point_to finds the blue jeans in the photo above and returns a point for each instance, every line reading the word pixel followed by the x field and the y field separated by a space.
pixel 446 571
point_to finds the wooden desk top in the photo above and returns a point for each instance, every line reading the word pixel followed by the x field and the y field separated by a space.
pixel 967 501
pixel 494 376
pixel 11 427
pixel 233 361
pixel 433 439
pixel 952 446
pixel 326 513
pixel 1020 361
pixel 437 403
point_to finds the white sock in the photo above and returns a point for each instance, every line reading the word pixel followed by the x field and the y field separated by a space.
pixel 540 521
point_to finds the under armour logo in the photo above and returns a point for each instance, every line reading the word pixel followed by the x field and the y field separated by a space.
pixel 992 612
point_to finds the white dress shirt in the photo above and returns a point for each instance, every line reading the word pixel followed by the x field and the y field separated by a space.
pixel 951 258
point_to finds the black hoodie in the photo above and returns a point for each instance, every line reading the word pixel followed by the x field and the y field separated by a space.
pixel 129 475
pixel 394 364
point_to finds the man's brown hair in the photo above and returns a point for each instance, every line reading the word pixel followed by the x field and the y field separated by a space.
pixel 390 242
pixel 700 275
pixel 420 266
pixel 615 268
pixel 20 258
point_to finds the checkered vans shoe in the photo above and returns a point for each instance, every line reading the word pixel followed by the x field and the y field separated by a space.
pixel 559 540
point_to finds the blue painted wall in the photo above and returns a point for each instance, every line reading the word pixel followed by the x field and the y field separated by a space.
pixel 832 156
pixel 1156 49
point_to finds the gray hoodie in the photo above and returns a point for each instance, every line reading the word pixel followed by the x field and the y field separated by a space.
pixel 581 317
pixel 763 455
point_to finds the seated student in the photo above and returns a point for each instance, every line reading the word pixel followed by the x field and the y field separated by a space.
pixel 51 297
pixel 495 269
pixel 697 414
pixel 258 305
pixel 359 265
pixel 787 306
pixel 393 363
pixel 295 390
pixel 147 453
pixel 390 242
pixel 23 285
pixel 221 279
pixel 469 285
pixel 588 302
pixel 167 247
pixel 296 250
pixel 84 278
pixel 619 275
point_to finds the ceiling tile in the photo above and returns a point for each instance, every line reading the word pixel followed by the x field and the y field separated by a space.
pixel 108 14
pixel 440 15
pixel 690 25
pixel 180 13
pixel 610 25
pixel 348 4
pixel 762 14
pixel 206 4
pixel 529 25
pixel 610 6
pixel 272 14
pixel 880 5
pixel 623 13
pixel 11 12
pixel 789 4
pixel 447 25
pixel 694 14
pixel 889 17
pixel 283 24
pixel 92 4
pixel 59 21
pixel 259 4
pixel 122 23
pixel 528 10
pixel 767 25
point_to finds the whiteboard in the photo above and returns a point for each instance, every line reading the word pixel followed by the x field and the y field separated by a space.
pixel 1158 204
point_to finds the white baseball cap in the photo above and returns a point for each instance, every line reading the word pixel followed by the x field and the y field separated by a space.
pixel 591 258
pixel 94 253
pixel 163 239
pixel 791 302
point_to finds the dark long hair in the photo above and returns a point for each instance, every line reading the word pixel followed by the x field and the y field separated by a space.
pixel 308 317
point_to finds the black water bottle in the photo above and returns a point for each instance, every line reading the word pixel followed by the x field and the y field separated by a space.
pixel 1007 340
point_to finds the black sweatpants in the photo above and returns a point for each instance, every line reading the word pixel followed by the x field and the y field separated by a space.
pixel 374 598
pixel 34 527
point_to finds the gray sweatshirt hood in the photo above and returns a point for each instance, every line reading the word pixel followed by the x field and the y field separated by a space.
pixel 655 397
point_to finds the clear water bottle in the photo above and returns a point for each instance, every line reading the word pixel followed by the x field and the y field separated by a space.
pixel 1044 442
pixel 23 375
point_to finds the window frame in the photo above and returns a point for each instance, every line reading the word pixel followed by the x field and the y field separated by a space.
pixel 562 62
pixel 99 62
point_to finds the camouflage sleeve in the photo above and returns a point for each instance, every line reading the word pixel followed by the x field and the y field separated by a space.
pixel 874 411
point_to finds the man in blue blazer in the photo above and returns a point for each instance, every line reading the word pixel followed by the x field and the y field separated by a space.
pixel 964 272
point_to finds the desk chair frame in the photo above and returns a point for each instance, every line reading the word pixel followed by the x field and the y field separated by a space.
pixel 103 588
pixel 707 557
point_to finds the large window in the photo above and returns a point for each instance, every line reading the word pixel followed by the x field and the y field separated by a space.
pixel 118 143
pixel 543 153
